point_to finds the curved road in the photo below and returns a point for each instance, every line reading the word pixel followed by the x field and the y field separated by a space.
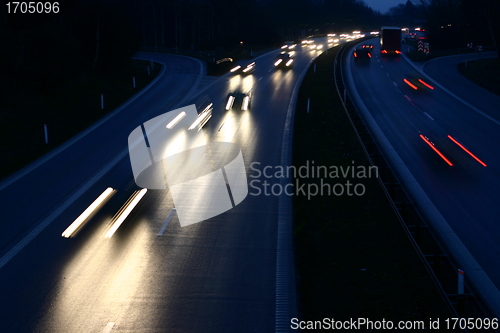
pixel 462 200
pixel 226 274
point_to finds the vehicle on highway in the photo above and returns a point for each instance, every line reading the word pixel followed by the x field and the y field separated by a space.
pixel 363 52
pixel 248 69
pixel 390 41
pixel 416 82
pixel 204 107
pixel 283 60
pixel 290 45
pixel 239 100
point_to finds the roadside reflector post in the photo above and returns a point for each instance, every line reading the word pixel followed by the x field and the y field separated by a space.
pixel 46 134
pixel 460 293
pixel 460 282
pixel 102 101
pixel 308 104
pixel 133 81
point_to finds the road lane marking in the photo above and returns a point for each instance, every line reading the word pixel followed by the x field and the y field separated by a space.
pixel 284 284
pixel 381 66
pixel 261 78
pixel 220 127
pixel 269 71
pixel 396 85
pixel 58 211
pixel 386 73
pixel 108 327
pixel 165 224
pixel 428 115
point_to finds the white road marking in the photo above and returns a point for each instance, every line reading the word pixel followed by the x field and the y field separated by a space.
pixel 108 327
pixel 220 127
pixel 428 115
pixel 165 224
pixel 408 98
pixel 386 73
pixel 261 78
pixel 381 66
pixel 395 83
pixel 269 71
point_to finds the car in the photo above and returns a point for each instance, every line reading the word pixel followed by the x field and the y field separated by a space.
pixel 239 99
pixel 416 82
pixel 284 60
pixel 363 52
pixel 248 69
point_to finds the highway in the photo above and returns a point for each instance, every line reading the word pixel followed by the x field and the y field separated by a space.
pixel 152 275
pixel 460 199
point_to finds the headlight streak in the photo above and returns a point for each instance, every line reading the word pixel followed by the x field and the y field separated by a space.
pixel 82 219
pixel 176 120
pixel 246 102
pixel 289 62
pixel 230 101
pixel 249 67
pixel 201 120
pixel 125 211
pixel 235 69
pixel 278 62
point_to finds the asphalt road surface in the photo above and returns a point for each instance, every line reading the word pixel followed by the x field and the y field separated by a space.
pixel 226 274
pixel 465 194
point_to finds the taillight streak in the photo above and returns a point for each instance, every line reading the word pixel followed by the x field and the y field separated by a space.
pixel 436 150
pixel 466 150
pixel 426 84
pixel 410 84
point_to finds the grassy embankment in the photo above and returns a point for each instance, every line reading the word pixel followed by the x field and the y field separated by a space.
pixel 483 72
pixel 67 107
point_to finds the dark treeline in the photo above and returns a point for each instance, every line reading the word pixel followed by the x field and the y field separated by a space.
pixel 452 23
pixel 97 35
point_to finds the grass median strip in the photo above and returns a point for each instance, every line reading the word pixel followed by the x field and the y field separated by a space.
pixel 353 259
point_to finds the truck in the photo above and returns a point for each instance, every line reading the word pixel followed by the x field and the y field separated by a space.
pixel 390 40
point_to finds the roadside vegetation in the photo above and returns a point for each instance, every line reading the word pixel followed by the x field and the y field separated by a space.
pixel 353 258
pixel 68 107
pixel 483 72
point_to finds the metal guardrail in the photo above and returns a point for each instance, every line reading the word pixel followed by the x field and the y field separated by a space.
pixel 439 264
